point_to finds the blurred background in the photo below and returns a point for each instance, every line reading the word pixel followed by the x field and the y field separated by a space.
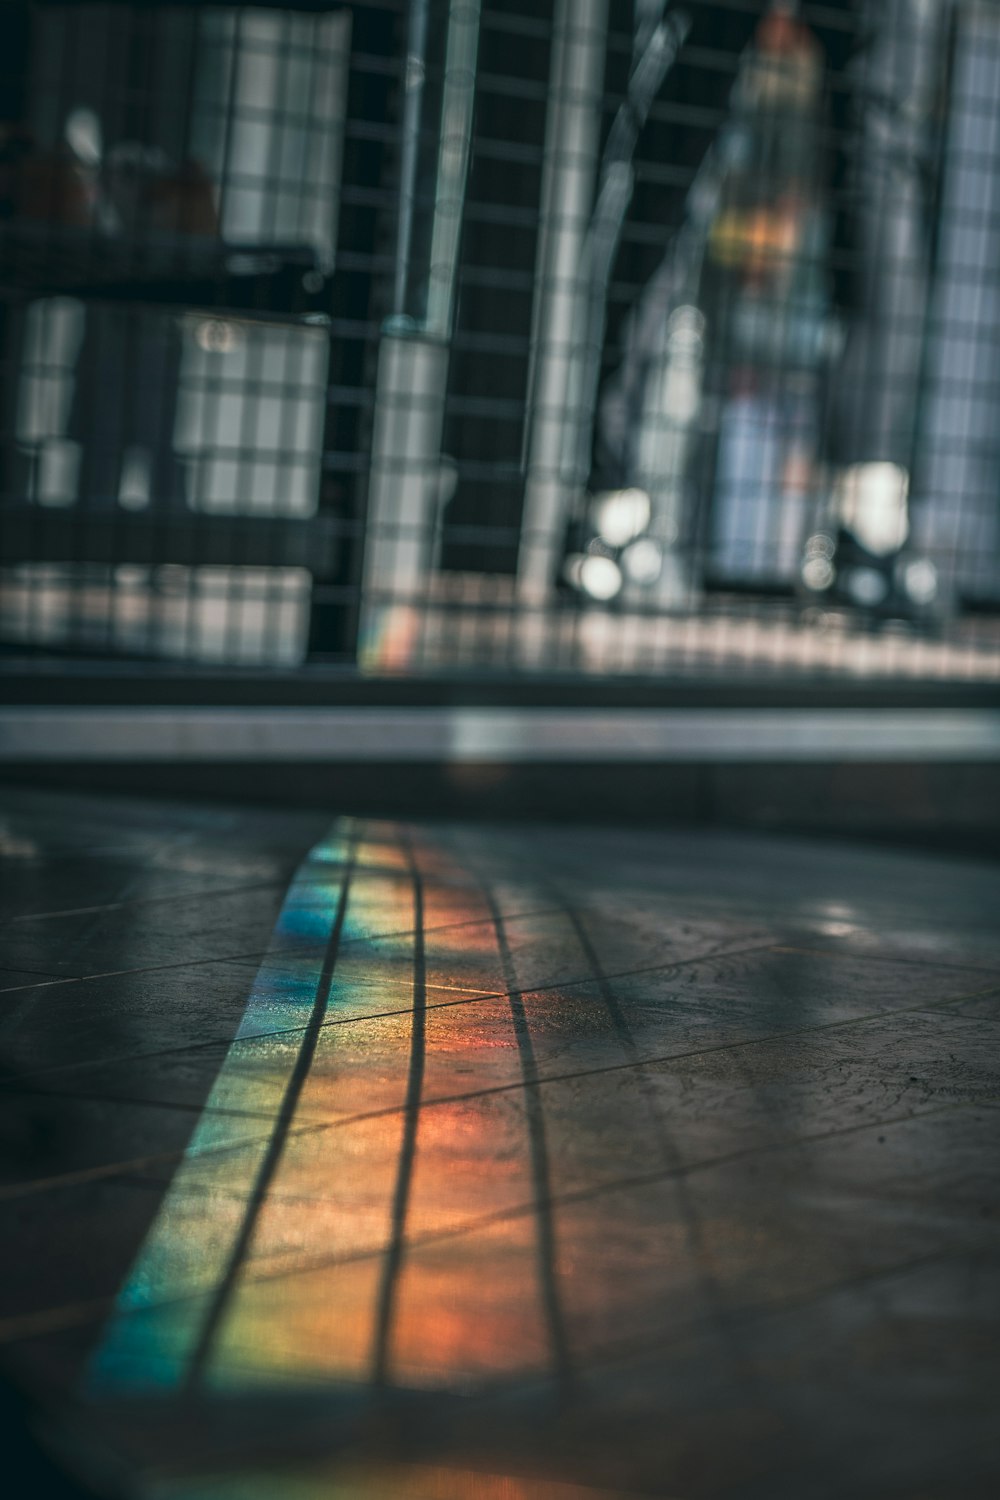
pixel 599 336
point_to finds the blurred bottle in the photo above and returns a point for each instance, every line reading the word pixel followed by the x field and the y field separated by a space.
pixel 860 554
pixel 767 306
pixel 770 189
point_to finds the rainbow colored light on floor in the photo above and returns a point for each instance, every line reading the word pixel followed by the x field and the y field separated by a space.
pixel 409 1482
pixel 311 1232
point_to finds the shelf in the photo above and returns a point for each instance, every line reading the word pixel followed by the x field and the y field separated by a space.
pixel 281 282
pixel 34 533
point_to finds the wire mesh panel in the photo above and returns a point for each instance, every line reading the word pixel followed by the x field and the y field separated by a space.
pixel 600 335
pixel 172 186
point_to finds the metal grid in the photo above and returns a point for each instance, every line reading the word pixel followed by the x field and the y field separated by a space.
pixel 590 335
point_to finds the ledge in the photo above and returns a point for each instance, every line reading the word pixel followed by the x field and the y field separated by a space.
pixel 490 735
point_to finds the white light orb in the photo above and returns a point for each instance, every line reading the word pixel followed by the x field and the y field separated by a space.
pixel 642 561
pixel 620 515
pixel 600 577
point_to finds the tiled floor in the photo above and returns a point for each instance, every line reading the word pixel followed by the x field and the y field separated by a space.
pixel 349 1159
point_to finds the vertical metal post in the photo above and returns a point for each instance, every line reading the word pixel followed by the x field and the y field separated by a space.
pixel 416 74
pixel 405 484
pixel 572 141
